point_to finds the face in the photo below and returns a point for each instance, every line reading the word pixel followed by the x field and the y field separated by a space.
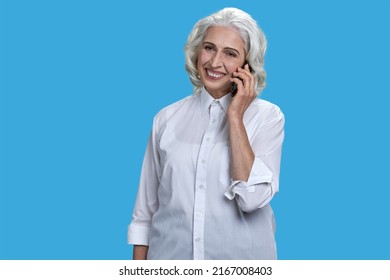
pixel 221 53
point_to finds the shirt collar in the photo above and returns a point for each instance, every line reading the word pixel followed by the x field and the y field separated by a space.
pixel 206 99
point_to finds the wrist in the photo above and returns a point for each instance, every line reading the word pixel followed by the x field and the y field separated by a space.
pixel 235 117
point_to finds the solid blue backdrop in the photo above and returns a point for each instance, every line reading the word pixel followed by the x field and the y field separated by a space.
pixel 82 80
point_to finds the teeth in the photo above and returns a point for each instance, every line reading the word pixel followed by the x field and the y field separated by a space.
pixel 214 75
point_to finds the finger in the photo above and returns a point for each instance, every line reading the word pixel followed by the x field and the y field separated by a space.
pixel 245 84
pixel 243 93
pixel 251 77
pixel 243 76
pixel 239 83
pixel 245 71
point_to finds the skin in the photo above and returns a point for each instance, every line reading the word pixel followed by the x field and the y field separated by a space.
pixel 220 58
pixel 140 252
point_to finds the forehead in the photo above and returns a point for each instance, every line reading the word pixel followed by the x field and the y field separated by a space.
pixel 224 37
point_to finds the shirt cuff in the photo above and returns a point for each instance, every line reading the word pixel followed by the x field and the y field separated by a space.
pixel 259 174
pixel 138 235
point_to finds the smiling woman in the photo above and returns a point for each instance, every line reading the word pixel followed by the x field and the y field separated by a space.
pixel 212 162
pixel 221 54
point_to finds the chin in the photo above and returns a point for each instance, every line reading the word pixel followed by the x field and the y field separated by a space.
pixel 217 92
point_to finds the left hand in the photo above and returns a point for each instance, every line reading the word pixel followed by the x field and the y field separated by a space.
pixel 245 92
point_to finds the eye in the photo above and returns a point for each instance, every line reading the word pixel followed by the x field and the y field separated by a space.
pixel 208 47
pixel 232 54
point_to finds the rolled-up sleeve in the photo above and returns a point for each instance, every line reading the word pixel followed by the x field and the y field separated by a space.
pixel 138 234
pixel 263 181
pixel 146 203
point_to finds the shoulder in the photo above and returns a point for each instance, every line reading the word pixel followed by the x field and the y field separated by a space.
pixel 167 112
pixel 265 110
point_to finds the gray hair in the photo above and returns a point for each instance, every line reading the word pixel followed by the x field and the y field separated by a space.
pixel 251 34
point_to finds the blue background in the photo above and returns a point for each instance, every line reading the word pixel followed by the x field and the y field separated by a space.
pixel 82 80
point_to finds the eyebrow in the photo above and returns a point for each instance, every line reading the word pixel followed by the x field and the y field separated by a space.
pixel 227 48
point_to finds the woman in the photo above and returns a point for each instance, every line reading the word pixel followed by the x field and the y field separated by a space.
pixel 212 162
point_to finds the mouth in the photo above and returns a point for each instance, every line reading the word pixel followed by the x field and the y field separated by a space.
pixel 214 75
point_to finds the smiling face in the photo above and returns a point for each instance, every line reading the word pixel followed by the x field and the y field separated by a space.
pixel 220 54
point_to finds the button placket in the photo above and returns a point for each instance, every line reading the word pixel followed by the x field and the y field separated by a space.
pixel 200 177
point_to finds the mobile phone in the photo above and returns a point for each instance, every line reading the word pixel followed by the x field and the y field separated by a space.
pixel 233 89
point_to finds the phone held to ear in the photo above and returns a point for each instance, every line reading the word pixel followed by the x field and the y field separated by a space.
pixel 233 89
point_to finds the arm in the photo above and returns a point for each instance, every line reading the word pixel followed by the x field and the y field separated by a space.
pixel 241 150
pixel 242 156
pixel 140 252
pixel 147 202
pixel 255 164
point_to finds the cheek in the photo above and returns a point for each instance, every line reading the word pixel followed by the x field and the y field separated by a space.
pixel 233 66
pixel 202 58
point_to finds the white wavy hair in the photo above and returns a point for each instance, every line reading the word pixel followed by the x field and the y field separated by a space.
pixel 250 32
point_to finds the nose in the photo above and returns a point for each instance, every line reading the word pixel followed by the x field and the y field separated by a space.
pixel 216 60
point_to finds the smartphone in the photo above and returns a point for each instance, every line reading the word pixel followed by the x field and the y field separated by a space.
pixel 233 89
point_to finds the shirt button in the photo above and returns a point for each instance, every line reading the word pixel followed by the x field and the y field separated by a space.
pixel 214 120
pixel 197 239
pixel 201 186
pixel 203 161
pixel 200 214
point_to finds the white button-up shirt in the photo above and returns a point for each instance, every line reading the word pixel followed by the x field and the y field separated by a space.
pixel 187 205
